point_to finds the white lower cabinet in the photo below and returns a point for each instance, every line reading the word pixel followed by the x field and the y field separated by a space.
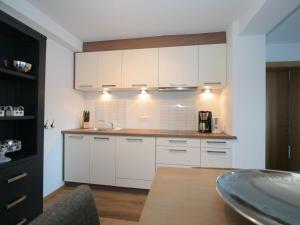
pixel 135 161
pixel 131 161
pixel 77 158
pixel 177 152
pixel 178 156
pixel 102 160
pixel 216 153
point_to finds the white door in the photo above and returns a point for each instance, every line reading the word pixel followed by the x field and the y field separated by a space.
pixel 77 158
pixel 212 65
pixel 110 69
pixel 102 160
pixel 135 158
pixel 178 66
pixel 86 70
pixel 140 68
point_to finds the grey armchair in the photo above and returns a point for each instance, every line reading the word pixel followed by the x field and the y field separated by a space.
pixel 78 208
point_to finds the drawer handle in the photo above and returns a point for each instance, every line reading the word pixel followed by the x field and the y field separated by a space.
pixel 22 221
pixel 78 137
pixel 139 85
pixel 216 142
pixel 177 150
pixel 109 85
pixel 134 139
pixel 16 178
pixel 178 141
pixel 101 138
pixel 16 202
pixel 218 152
pixel 85 86
pixel 212 83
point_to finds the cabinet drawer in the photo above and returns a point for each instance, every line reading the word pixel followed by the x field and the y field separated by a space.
pixel 185 142
pixel 172 166
pixel 216 143
pixel 22 185
pixel 178 156
pixel 216 158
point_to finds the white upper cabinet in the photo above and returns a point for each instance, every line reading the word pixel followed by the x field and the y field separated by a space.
pixel 140 68
pixel 178 66
pixel 212 65
pixel 86 71
pixel 110 69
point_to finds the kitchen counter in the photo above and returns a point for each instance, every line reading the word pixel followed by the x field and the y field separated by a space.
pixel 187 196
pixel 151 133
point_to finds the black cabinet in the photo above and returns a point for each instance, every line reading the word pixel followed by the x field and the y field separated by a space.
pixel 21 179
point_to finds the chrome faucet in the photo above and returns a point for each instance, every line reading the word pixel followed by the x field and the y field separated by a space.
pixel 107 122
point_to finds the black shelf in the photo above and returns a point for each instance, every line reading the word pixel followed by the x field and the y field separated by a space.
pixel 16 158
pixel 17 74
pixel 17 118
pixel 19 42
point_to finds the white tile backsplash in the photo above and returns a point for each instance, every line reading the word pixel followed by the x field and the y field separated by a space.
pixel 111 111
pixel 159 110
pixel 178 114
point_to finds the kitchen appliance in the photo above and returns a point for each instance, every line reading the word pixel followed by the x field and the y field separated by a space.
pixel 216 127
pixel 205 118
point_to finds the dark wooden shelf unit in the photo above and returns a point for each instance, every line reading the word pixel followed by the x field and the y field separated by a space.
pixel 20 42
pixel 17 118
pixel 9 72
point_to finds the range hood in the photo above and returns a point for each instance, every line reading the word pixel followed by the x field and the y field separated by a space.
pixel 176 89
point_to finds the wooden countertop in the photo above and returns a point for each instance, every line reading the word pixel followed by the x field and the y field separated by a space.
pixel 187 196
pixel 151 133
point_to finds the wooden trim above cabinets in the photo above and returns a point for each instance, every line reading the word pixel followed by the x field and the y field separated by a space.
pixel 155 42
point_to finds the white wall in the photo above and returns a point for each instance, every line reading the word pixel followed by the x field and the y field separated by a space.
pixel 246 98
pixel 283 52
pixel 62 104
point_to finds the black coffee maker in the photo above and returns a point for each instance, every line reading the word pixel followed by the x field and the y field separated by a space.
pixel 205 118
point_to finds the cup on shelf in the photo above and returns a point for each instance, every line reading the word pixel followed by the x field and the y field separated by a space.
pixel 14 111
pixel 2 111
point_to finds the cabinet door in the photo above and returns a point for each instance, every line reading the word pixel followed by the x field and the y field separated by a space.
pixel 140 68
pixel 110 64
pixel 77 158
pixel 212 65
pixel 178 66
pixel 86 70
pixel 135 158
pixel 216 158
pixel 102 160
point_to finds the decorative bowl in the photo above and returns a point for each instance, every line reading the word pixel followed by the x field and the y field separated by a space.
pixel 22 66
pixel 265 197
pixel 8 146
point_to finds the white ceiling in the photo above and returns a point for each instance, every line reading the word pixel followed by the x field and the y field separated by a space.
pixel 92 20
pixel 288 31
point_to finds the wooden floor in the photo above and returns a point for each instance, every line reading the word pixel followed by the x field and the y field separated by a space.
pixel 115 206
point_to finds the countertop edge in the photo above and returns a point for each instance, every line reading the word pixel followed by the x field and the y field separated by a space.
pixel 120 133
